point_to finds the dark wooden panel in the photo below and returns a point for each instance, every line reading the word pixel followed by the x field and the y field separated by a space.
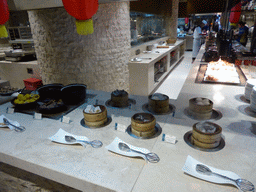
pixel 158 7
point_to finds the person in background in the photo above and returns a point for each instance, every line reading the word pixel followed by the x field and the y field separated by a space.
pixel 243 33
pixel 186 27
pixel 206 26
pixel 197 35
pixel 215 26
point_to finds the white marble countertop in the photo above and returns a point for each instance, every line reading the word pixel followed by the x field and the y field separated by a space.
pixel 90 169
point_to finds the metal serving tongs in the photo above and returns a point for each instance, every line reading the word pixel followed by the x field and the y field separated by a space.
pixel 16 128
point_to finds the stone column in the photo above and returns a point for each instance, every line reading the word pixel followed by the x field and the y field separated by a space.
pixel 99 60
pixel 171 21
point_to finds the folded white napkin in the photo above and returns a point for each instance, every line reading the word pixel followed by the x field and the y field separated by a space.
pixel 114 148
pixel 59 137
pixel 190 168
pixel 10 126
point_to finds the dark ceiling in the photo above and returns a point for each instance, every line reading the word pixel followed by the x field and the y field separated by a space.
pixel 163 7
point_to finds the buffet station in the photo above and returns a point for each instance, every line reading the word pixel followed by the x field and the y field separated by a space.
pixel 116 141
pixel 149 65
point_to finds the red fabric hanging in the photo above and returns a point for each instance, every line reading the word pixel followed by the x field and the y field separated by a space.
pixel 4 12
pixel 81 9
pixel 235 13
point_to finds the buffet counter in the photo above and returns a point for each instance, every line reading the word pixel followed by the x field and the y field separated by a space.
pixel 97 169
pixel 148 69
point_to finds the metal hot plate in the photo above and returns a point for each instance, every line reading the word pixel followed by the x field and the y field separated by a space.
pixel 187 139
pixel 110 103
pixel 171 109
pixel 158 130
pixel 216 114
pixel 104 125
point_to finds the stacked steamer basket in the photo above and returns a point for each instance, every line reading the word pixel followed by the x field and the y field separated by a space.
pixel 158 103
pixel 253 99
pixel 95 116
pixel 143 124
pixel 206 135
pixel 248 88
pixel 201 108
pixel 119 98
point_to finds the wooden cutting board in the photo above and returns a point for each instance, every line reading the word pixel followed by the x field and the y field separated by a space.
pixel 162 47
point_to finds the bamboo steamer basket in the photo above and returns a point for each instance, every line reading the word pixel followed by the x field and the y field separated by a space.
pixel 158 106
pixel 120 100
pixel 200 108
pixel 96 119
pixel 202 116
pixel 204 145
pixel 206 140
pixel 171 41
pixel 144 133
pixel 141 126
pixel 96 123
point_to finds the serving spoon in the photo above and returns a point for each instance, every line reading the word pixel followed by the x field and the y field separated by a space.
pixel 94 143
pixel 151 157
pixel 16 128
pixel 242 184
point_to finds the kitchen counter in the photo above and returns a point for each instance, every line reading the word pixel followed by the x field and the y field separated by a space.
pixel 189 41
pixel 89 169
pixel 144 79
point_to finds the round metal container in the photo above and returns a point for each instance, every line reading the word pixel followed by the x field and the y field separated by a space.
pixel 52 91
pixel 73 94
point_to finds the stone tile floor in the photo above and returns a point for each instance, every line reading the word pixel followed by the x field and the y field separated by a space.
pixel 13 179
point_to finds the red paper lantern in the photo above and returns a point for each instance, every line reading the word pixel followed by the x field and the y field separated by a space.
pixel 235 13
pixel 186 20
pixel 81 9
pixel 4 12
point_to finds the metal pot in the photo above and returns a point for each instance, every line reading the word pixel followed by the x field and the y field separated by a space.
pixel 73 94
pixel 52 91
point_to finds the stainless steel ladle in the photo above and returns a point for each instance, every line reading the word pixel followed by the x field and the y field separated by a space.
pixel 94 143
pixel 151 157
pixel 16 128
pixel 242 184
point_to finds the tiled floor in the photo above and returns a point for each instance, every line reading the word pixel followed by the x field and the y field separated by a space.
pixel 175 80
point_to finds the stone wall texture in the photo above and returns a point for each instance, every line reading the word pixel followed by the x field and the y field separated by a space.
pixel 171 22
pixel 99 60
